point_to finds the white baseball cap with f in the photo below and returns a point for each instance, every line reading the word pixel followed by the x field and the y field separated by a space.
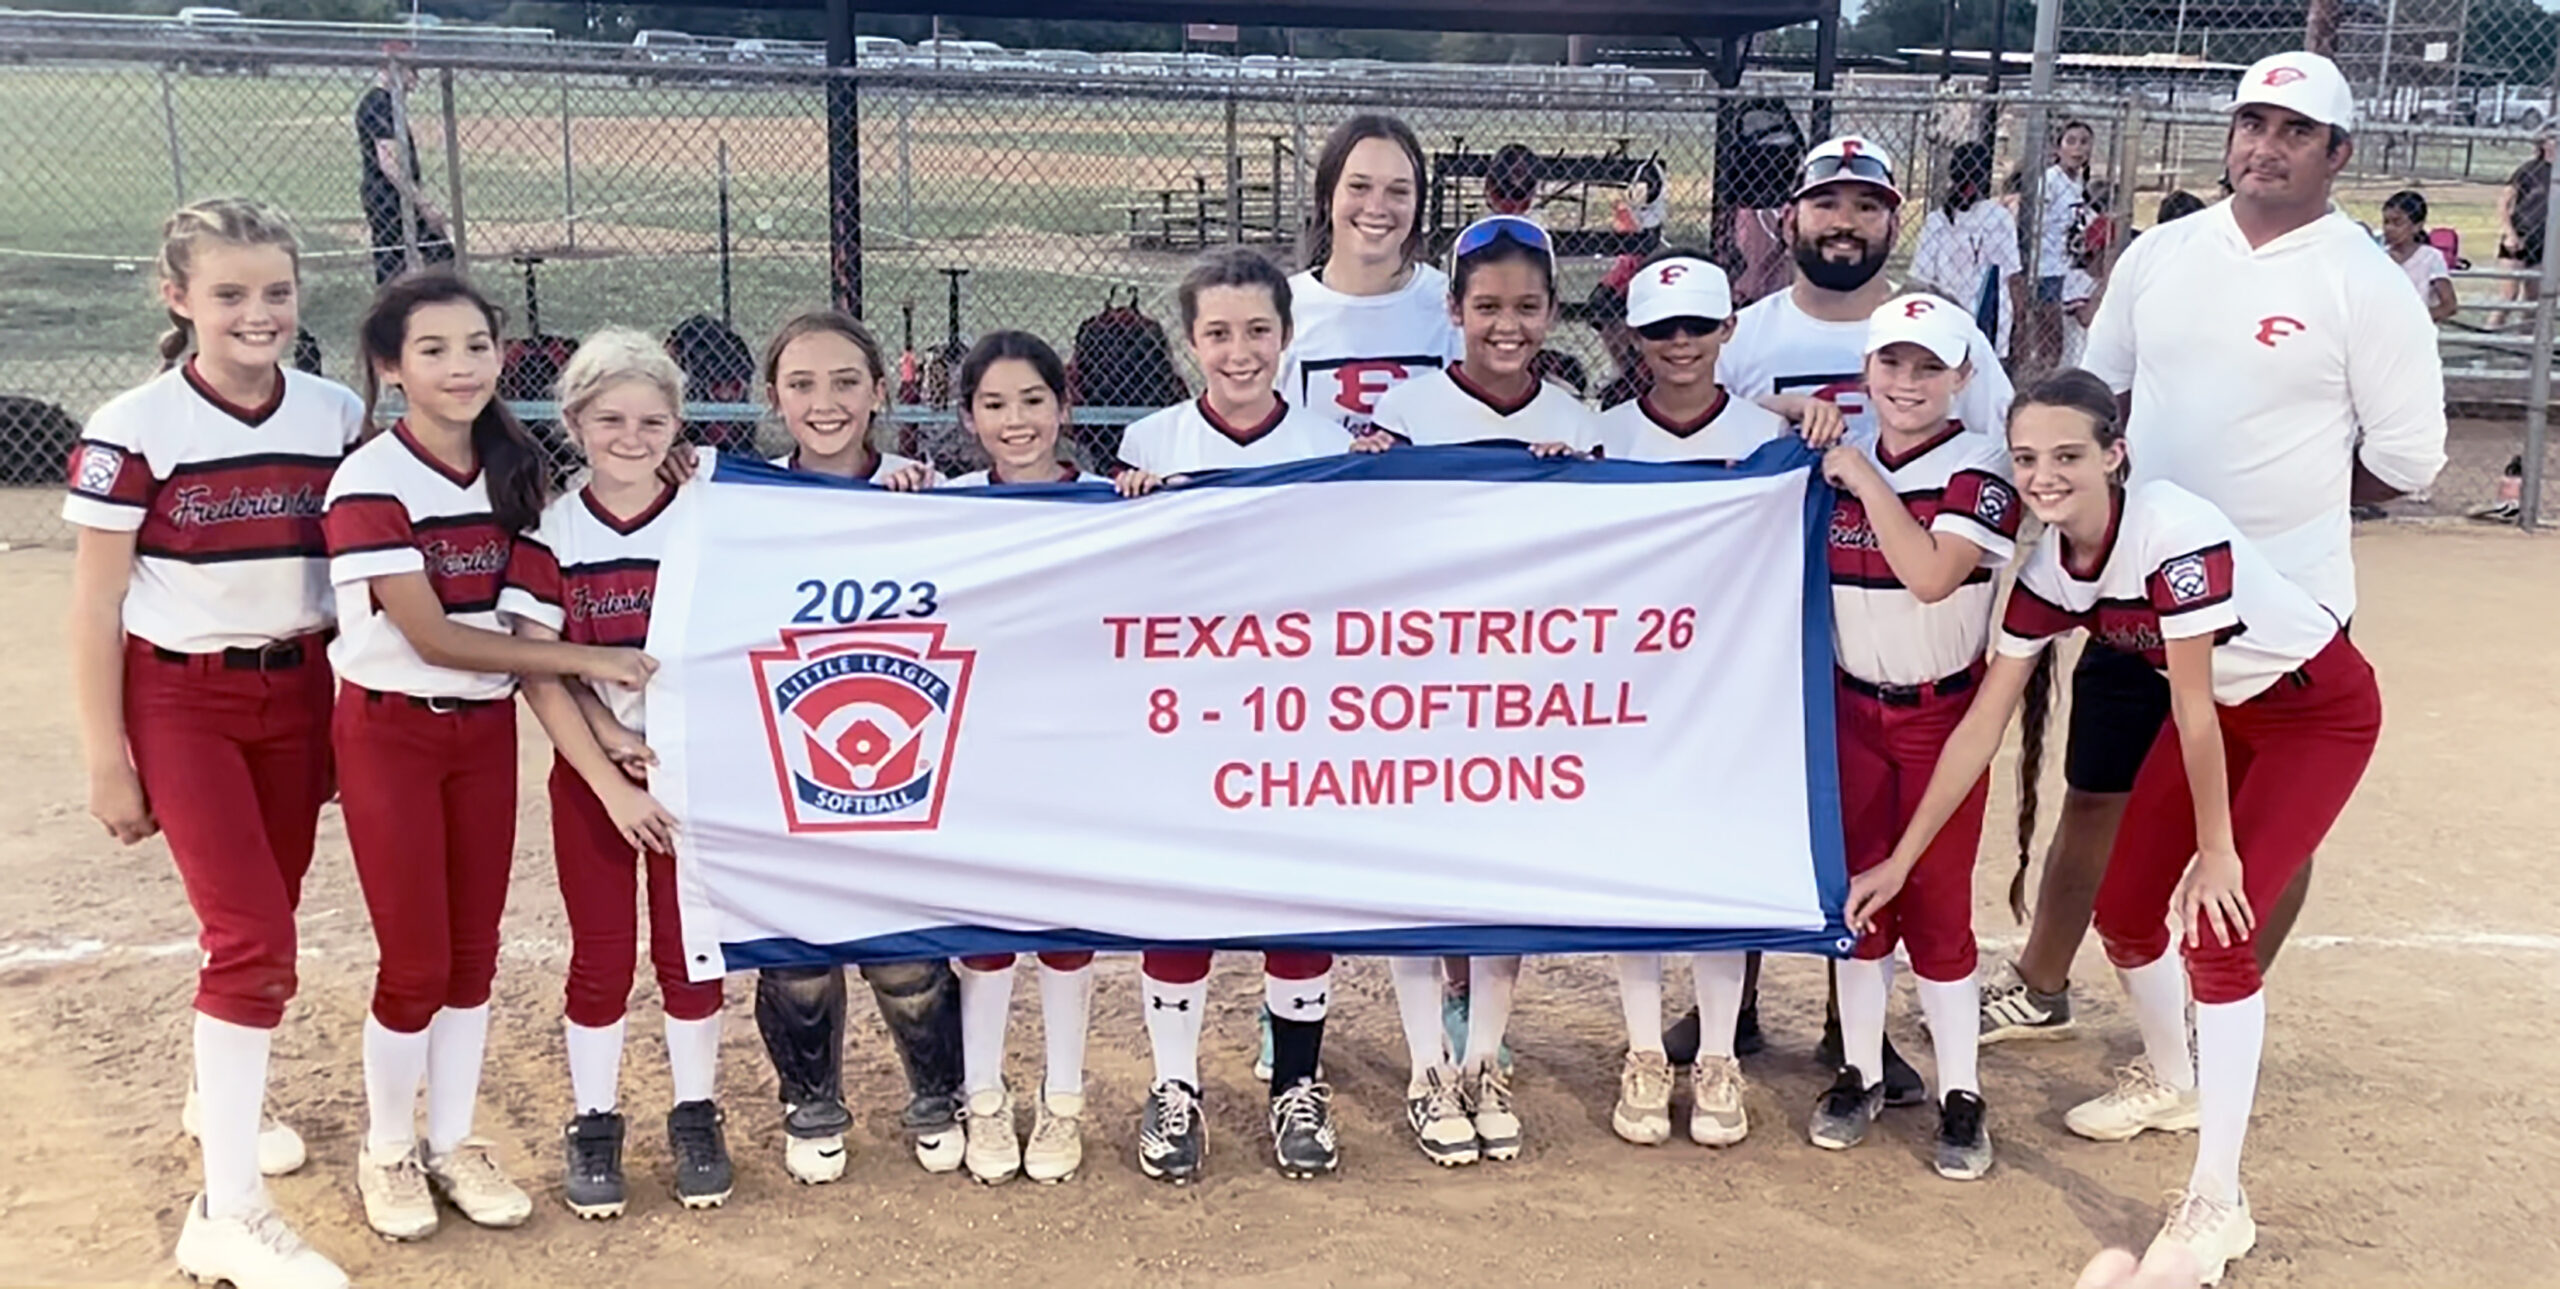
pixel 2299 81
pixel 1848 159
pixel 1928 321
pixel 1678 287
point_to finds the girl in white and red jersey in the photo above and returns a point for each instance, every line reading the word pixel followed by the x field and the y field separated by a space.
pixel 827 383
pixel 587 574
pixel 419 524
pixel 1013 399
pixel 1502 297
pixel 1235 314
pixel 1925 515
pixel 2272 727
pixel 200 608
pixel 1368 313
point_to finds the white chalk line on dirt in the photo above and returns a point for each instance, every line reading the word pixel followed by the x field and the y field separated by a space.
pixel 546 951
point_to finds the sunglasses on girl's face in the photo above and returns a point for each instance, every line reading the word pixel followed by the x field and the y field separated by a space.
pixel 1492 228
pixel 1702 328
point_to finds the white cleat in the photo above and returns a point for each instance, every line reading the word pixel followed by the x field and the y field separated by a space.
pixel 397 1203
pixel 469 1179
pixel 1716 1115
pixel 254 1250
pixel 992 1151
pixel 1643 1112
pixel 2217 1234
pixel 942 1149
pixel 814 1161
pixel 1056 1149
pixel 2140 1102
pixel 279 1147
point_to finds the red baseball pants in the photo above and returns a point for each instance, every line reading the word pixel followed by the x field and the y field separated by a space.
pixel 599 880
pixel 430 801
pixel 1070 960
pixel 235 763
pixel 2293 755
pixel 1887 752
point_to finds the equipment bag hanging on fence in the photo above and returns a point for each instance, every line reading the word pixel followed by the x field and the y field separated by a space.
pixel 1123 360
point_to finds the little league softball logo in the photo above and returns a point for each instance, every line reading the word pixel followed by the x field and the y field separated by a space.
pixel 861 721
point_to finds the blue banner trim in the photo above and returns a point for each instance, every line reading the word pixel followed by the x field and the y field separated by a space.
pixel 1422 941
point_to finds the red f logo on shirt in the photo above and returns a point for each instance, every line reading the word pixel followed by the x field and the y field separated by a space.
pixel 2276 327
pixel 2283 76
pixel 1672 273
pixel 1358 384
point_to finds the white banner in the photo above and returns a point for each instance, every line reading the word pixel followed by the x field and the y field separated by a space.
pixel 1430 700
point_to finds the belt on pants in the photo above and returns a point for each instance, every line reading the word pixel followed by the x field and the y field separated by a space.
pixel 1912 695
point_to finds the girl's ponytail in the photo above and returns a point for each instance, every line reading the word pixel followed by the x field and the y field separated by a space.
pixel 2038 702
pixel 174 343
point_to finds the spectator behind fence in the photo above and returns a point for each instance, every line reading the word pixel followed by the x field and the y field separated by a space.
pixel 2404 239
pixel 2177 205
pixel 2065 195
pixel 1511 180
pixel 389 153
pixel 1968 248
pixel 2522 208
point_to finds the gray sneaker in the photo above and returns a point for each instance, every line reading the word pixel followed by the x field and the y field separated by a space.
pixel 1848 1108
pixel 2013 1009
pixel 1963 1148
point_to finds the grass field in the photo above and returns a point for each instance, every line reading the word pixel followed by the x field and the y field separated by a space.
pixel 1030 193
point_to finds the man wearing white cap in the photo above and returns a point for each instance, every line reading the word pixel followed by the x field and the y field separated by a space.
pixel 1808 340
pixel 1680 307
pixel 1808 343
pixel 2276 365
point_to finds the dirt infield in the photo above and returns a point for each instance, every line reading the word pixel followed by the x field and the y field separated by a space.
pixel 2406 1136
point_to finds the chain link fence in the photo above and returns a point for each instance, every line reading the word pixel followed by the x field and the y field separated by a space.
pixel 694 200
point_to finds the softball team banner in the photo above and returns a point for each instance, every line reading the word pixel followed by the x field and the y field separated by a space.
pixel 1428 700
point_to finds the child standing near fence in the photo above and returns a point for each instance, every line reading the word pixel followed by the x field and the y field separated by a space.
pixel 196 641
pixel 419 524
pixel 588 574
pixel 1013 399
pixel 1680 310
pixel 1925 516
pixel 1369 312
pixel 1235 313
pixel 827 383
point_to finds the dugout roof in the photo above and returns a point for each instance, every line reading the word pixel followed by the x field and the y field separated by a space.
pixel 1698 19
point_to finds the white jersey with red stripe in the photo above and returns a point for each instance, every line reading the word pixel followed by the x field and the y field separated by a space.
pixel 591 578
pixel 1778 348
pixel 982 478
pixel 393 509
pixel 1192 436
pixel 2172 568
pixel 1347 350
pixel 883 464
pixel 1731 428
pixel 1957 485
pixel 224 503
pixel 1446 406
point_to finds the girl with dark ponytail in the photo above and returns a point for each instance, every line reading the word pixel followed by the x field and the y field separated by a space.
pixel 420 523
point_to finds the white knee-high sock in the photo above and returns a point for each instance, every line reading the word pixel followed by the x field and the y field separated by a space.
pixel 1490 984
pixel 2229 1039
pixel 693 1058
pixel 1640 996
pixel 2158 990
pixel 595 1066
pixel 1174 1014
pixel 1863 986
pixel 1719 980
pixel 231 1095
pixel 394 1065
pixel 1417 982
pixel 1954 1009
pixel 986 1003
pixel 457 1040
pixel 1066 1012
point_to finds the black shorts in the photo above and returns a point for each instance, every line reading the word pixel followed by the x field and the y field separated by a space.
pixel 2118 704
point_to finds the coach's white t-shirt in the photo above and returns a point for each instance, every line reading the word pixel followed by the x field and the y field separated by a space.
pixel 2260 377
pixel 1445 407
pixel 1347 350
pixel 1732 428
pixel 1778 348
pixel 2173 568
pixel 1192 436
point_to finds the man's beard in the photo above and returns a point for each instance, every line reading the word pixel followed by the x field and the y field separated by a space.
pixel 1839 275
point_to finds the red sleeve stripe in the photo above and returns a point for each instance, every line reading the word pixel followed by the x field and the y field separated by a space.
pixel 115 476
pixel 1985 498
pixel 534 570
pixel 2196 580
pixel 360 522
pixel 2032 617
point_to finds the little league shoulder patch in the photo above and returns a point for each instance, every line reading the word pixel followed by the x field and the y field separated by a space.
pixel 96 470
pixel 2186 578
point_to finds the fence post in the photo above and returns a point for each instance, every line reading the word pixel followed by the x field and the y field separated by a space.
pixel 169 118
pixel 725 292
pixel 2128 169
pixel 906 171
pixel 568 174
pixel 2034 147
pixel 454 222
pixel 2537 394
pixel 1235 177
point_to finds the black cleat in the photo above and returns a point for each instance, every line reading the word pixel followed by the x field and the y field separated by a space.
pixel 1845 1112
pixel 1302 1130
pixel 1171 1138
pixel 1964 1142
pixel 591 1179
pixel 1903 1085
pixel 701 1151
